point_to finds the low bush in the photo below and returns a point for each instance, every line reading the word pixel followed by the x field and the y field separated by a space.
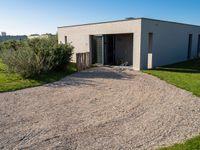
pixel 12 45
pixel 22 61
pixel 33 57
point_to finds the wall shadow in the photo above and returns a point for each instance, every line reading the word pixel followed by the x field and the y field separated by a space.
pixel 191 66
pixel 179 70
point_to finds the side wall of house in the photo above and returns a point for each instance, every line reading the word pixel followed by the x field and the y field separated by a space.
pixel 79 36
pixel 170 42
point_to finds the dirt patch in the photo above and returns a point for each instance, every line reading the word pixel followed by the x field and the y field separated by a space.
pixel 100 108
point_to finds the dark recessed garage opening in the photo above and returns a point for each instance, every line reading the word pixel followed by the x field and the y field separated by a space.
pixel 112 49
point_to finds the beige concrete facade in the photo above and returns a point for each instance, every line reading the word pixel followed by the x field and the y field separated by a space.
pixel 78 36
pixel 170 40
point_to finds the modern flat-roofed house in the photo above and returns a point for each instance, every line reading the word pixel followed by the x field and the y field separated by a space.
pixel 139 42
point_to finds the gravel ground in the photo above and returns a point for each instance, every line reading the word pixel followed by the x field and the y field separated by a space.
pixel 100 108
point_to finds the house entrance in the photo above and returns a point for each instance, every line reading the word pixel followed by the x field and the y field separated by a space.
pixel 112 49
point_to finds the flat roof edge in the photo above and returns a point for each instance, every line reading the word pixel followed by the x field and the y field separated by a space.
pixel 171 22
pixel 143 18
pixel 99 23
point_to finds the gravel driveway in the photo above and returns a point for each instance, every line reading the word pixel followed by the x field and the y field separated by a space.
pixel 100 108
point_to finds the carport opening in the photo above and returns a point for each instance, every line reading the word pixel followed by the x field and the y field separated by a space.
pixel 112 49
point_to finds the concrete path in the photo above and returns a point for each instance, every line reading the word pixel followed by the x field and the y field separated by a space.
pixel 101 108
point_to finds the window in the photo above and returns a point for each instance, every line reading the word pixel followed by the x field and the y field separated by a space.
pixel 150 42
pixel 65 39
pixel 198 47
pixel 189 46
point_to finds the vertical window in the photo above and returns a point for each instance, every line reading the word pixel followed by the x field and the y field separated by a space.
pixel 189 46
pixel 65 39
pixel 150 42
pixel 198 47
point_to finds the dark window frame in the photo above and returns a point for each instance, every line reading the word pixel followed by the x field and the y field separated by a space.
pixel 198 46
pixel 190 46
pixel 65 39
pixel 150 42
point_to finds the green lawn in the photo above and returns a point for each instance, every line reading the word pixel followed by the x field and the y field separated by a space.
pixel 13 81
pixel 185 75
pixel 192 144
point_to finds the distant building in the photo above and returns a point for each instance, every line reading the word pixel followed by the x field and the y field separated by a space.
pixel 5 37
pixel 32 36
pixel 3 33
pixel 46 35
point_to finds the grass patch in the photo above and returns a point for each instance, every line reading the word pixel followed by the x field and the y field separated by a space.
pixel 185 75
pixel 13 81
pixel 192 144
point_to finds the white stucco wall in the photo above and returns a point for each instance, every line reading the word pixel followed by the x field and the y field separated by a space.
pixel 170 42
pixel 78 36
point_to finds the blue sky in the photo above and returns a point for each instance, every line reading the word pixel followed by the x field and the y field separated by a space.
pixel 44 16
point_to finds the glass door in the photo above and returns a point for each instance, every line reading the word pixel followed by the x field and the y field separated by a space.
pixel 97 49
pixel 109 44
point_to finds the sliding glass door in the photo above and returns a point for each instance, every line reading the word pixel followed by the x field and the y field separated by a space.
pixel 97 49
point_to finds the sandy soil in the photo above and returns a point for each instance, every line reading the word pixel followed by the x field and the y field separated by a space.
pixel 101 108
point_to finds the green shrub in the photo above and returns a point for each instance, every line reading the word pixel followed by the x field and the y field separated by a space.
pixel 11 45
pixel 36 56
pixel 22 61
pixel 61 55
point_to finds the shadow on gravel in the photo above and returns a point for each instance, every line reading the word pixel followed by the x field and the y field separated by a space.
pixel 88 77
